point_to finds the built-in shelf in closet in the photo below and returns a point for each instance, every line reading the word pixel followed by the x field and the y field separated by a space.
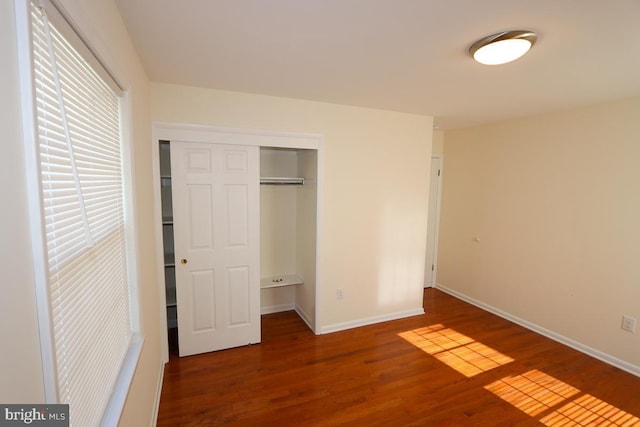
pixel 276 180
pixel 167 234
pixel 279 281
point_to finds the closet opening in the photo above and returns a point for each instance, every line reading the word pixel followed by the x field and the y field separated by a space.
pixel 288 195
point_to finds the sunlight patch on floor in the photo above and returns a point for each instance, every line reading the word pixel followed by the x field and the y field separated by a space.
pixel 536 393
pixel 532 392
pixel 588 410
pixel 456 350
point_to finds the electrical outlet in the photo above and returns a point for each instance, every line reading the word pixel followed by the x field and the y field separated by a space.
pixel 339 294
pixel 628 324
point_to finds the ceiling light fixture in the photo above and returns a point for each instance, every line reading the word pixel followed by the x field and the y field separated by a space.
pixel 503 47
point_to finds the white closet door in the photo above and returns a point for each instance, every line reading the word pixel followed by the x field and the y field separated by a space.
pixel 216 199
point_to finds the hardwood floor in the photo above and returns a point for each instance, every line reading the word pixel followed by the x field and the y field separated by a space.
pixel 455 366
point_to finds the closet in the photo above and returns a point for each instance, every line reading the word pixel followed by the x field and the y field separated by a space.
pixel 287 234
pixel 288 194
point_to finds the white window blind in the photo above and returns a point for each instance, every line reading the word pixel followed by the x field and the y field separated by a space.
pixel 82 199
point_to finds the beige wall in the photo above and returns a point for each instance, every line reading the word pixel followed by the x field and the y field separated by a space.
pixel 20 360
pixel 374 198
pixel 555 202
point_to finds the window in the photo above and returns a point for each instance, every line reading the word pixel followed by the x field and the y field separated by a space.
pixel 85 290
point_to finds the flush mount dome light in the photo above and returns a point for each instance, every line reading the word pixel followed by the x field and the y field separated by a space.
pixel 502 47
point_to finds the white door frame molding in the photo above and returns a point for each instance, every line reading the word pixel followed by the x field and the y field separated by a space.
pixel 167 131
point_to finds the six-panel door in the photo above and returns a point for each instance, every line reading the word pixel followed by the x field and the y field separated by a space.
pixel 216 198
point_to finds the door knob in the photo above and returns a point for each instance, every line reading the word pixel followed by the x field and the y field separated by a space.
pixel 183 261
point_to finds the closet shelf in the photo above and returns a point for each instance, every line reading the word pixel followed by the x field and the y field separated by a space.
pixel 275 180
pixel 278 281
pixel 169 260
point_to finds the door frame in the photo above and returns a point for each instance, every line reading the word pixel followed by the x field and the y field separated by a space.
pixel 438 201
pixel 230 136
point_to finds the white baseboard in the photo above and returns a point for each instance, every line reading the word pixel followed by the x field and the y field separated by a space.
pixel 306 318
pixel 369 321
pixel 600 355
pixel 277 308
pixel 154 417
pixel 288 307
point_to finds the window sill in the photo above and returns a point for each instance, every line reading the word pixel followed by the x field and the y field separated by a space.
pixel 121 389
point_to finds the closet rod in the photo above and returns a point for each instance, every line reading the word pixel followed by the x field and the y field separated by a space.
pixel 281 181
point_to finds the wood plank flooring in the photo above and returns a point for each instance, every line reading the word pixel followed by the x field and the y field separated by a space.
pixel 455 366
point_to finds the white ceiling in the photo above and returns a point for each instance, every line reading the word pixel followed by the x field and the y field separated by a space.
pixel 401 55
